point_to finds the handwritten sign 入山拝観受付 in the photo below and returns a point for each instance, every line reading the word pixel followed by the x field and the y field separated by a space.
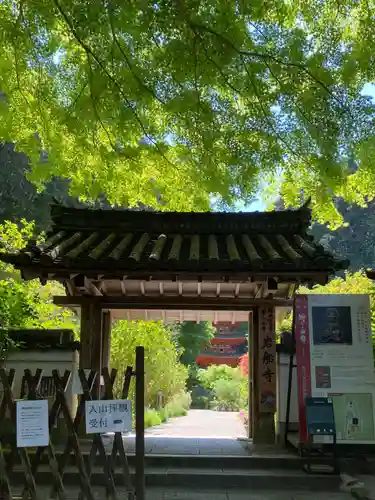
pixel 108 416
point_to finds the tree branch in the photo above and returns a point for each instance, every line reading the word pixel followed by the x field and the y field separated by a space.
pixel 88 50
pixel 76 99
pixel 260 55
pixel 281 85
pixel 93 102
pixel 239 92
pixel 126 58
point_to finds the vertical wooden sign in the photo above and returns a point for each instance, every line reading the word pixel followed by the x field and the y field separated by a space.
pixel 267 360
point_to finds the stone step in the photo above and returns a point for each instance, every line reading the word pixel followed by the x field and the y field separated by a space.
pixel 170 493
pixel 282 462
pixel 204 478
pixel 270 462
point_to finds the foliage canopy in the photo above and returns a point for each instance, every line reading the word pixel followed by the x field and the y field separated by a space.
pixel 168 102
pixel 192 337
pixel 26 304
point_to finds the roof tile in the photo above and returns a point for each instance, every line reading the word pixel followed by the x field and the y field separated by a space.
pixel 117 241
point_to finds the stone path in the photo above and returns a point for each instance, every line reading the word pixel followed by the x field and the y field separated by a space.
pixel 201 432
pixel 204 424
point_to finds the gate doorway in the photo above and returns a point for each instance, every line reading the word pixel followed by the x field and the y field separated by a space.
pixel 162 264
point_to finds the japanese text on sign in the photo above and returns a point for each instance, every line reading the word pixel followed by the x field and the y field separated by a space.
pixel 267 360
pixel 32 423
pixel 108 416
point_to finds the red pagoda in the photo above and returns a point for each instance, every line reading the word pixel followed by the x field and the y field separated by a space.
pixel 227 346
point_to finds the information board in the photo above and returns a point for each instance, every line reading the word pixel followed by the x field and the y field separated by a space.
pixel 108 416
pixel 320 418
pixel 335 359
pixel 32 423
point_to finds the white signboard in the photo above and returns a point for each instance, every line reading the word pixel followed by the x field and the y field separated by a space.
pixel 335 359
pixel 32 423
pixel 108 416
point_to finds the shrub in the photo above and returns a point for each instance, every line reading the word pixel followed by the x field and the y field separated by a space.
pixel 244 417
pixel 201 402
pixel 244 364
pixel 179 405
pixel 152 418
pixel 227 395
pixel 228 386
pixel 163 414
pixel 210 375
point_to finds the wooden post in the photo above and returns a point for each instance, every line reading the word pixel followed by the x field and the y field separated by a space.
pixel 85 337
pixel 264 375
pixel 90 357
pixel 250 372
pixel 91 337
pixel 140 423
pixel 253 373
pixel 96 348
pixel 106 339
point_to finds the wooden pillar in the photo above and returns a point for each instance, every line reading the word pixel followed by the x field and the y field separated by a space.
pixel 263 374
pixel 106 338
pixel 251 375
pixel 91 337
pixel 85 337
pixel 140 422
pixel 90 356
pixel 91 340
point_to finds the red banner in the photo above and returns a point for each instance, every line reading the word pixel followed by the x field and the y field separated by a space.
pixel 302 359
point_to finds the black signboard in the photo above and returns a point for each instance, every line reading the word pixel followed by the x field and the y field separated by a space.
pixel 320 420
pixel 320 417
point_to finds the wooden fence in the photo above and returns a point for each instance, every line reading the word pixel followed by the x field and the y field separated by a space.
pixel 77 451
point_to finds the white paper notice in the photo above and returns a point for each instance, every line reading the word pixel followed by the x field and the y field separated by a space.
pixel 108 416
pixel 32 423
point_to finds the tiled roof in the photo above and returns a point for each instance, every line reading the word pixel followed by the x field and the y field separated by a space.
pixel 39 339
pixel 113 242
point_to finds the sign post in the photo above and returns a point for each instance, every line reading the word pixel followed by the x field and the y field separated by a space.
pixel 267 360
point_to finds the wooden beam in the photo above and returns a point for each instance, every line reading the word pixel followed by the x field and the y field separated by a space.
pixel 217 275
pixel 85 285
pixel 156 302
